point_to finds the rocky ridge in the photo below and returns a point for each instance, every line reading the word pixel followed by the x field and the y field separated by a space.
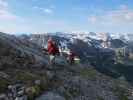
pixel 23 62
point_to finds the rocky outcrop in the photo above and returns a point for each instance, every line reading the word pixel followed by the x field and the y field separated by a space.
pixel 23 63
pixel 50 96
pixel 20 53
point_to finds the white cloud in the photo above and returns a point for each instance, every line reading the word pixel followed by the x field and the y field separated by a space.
pixel 3 4
pixel 92 19
pixel 5 14
pixel 10 22
pixel 49 11
pixel 124 15
pixel 36 7
pixel 123 6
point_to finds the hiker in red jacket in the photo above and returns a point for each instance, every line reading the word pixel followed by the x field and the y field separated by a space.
pixel 71 57
pixel 53 50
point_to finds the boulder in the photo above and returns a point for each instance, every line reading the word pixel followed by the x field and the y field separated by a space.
pixel 50 96
pixel 4 75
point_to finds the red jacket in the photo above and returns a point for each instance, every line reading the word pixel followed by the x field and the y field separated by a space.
pixel 52 48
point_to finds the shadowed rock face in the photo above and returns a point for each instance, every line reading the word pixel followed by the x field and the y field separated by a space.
pixel 19 53
pixel 117 43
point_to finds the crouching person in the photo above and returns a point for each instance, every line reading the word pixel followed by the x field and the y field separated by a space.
pixel 71 57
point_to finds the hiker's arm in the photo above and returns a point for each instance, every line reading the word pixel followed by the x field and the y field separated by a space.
pixel 44 50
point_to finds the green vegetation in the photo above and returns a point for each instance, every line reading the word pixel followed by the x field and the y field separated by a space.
pixel 3 85
pixel 100 98
pixel 123 97
pixel 34 83
pixel 35 91
pixel 88 73
pixel 74 92
pixel 26 77
pixel 121 93
pixel 69 93
pixel 29 80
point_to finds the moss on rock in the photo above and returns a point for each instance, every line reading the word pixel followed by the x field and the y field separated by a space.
pixel 88 73
pixel 3 85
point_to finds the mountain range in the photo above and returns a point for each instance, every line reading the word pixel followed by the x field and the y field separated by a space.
pixel 104 73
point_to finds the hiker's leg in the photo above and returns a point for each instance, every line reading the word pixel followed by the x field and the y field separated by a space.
pixel 72 61
pixel 52 57
pixel 49 60
pixel 53 60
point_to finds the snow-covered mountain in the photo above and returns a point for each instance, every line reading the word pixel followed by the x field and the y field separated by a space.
pixel 89 37
pixel 85 44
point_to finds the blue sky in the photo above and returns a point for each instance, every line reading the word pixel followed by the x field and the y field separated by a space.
pixel 39 16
